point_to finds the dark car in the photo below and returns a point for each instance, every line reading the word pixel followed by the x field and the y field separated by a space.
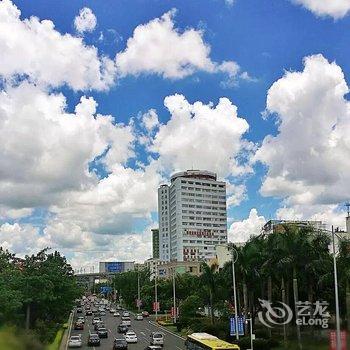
pixel 99 325
pixel 153 347
pixel 78 326
pixel 145 313
pixel 79 310
pixel 88 313
pixel 94 340
pixel 102 332
pixel 120 344
pixel 122 328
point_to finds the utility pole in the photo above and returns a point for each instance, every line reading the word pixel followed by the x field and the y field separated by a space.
pixel 138 291
pixel 174 296
pixel 156 293
pixel 234 259
pixel 336 293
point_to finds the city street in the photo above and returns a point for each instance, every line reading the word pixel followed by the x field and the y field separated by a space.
pixel 141 328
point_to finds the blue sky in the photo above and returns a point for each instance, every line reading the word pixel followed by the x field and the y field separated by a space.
pixel 264 38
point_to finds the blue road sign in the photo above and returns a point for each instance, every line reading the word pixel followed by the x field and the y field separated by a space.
pixel 241 321
pixel 115 267
pixel 106 290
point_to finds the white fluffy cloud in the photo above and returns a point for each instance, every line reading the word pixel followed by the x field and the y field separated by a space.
pixel 202 136
pixel 241 231
pixel 85 21
pixel 157 47
pixel 114 203
pixel 334 8
pixel 235 194
pixel 46 151
pixel 22 239
pixel 308 160
pixel 36 49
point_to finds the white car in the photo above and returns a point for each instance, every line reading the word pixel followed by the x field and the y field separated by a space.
pixel 139 317
pixel 157 338
pixel 81 319
pixel 131 337
pixel 126 321
pixel 116 314
pixel 126 314
pixel 75 341
pixel 96 320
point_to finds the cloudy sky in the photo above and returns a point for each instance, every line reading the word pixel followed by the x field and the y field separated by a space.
pixel 102 100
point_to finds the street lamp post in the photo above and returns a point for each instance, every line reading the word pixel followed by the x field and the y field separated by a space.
pixel 156 293
pixel 174 296
pixel 138 291
pixel 234 259
pixel 336 293
pixel 251 332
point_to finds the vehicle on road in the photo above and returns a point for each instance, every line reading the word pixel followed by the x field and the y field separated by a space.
pixel 112 310
pixel 126 314
pixel 116 314
pixel 120 344
pixel 78 326
pixel 79 310
pixel 122 328
pixel 126 321
pixel 138 317
pixel 208 342
pixel 131 337
pixel 81 319
pixel 157 338
pixel 94 340
pixel 145 313
pixel 102 332
pixel 96 320
pixel 99 325
pixel 75 341
pixel 102 313
pixel 88 313
pixel 153 347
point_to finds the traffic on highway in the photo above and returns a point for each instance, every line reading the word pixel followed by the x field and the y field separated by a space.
pixel 99 323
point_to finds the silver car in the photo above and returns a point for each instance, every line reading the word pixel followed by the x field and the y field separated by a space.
pixel 75 341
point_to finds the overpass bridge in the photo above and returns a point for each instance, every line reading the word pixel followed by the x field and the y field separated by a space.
pixel 88 280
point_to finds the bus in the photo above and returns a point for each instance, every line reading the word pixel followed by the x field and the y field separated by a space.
pixel 205 341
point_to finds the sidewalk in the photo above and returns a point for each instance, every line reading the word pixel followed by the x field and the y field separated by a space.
pixel 65 337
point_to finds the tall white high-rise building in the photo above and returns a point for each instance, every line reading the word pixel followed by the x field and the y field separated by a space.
pixel 192 216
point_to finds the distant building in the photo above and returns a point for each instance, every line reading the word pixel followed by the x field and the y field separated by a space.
pixel 152 265
pixel 179 267
pixel 116 266
pixel 223 255
pixel 139 266
pixel 155 243
pixel 276 226
pixel 192 216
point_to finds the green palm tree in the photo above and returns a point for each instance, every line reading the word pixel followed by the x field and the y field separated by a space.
pixel 209 278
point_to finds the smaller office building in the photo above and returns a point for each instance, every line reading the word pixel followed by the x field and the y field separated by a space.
pixel 179 267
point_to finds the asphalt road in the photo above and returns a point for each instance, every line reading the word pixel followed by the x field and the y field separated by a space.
pixel 142 329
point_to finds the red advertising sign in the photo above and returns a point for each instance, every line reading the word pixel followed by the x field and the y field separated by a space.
pixel 333 340
pixel 156 306
pixel 173 313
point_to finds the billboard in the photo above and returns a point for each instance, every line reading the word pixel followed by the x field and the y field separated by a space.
pixel 115 267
